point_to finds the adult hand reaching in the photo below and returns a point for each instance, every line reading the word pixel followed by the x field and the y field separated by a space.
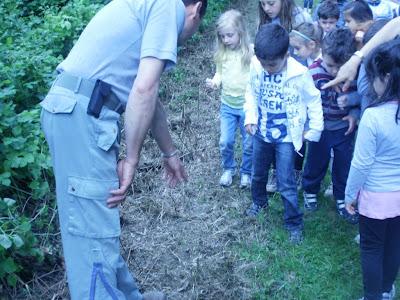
pixel 174 171
pixel 347 73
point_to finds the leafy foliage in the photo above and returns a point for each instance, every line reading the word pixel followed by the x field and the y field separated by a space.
pixel 36 35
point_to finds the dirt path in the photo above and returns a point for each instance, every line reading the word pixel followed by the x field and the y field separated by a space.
pixel 183 241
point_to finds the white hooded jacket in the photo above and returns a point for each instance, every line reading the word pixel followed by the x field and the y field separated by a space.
pixel 301 97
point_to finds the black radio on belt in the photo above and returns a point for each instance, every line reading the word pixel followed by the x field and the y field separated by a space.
pixel 100 92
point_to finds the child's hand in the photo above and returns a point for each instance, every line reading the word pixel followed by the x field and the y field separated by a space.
pixel 352 124
pixel 210 84
pixel 251 129
pixel 351 208
pixel 342 101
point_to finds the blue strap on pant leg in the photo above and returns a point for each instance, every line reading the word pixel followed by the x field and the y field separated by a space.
pixel 98 269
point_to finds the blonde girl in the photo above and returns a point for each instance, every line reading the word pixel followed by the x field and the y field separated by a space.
pixel 232 60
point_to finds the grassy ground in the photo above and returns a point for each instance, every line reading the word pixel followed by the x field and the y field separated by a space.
pixel 325 266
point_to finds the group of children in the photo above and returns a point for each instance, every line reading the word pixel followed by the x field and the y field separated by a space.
pixel 273 91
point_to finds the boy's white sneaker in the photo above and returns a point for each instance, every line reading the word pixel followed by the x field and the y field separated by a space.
pixel 226 178
pixel 245 181
pixel 389 295
pixel 310 201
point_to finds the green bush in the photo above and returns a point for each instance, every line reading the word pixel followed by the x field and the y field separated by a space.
pixel 36 36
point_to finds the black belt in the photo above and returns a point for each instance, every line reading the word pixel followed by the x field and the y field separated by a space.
pixel 85 87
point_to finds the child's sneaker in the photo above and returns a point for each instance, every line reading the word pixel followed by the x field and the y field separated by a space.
pixel 271 184
pixel 245 181
pixel 255 210
pixel 310 202
pixel 226 178
pixel 389 295
pixel 329 190
pixel 296 236
pixel 298 174
pixel 341 209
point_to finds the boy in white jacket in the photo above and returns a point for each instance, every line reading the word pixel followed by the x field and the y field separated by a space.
pixel 280 98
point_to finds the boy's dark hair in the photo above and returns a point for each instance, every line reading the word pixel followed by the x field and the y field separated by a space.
pixel 328 9
pixel 384 61
pixel 358 10
pixel 373 29
pixel 272 42
pixel 339 44
pixel 203 8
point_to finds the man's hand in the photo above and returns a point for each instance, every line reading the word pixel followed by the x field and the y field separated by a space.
pixel 346 74
pixel 126 172
pixel 352 124
pixel 174 171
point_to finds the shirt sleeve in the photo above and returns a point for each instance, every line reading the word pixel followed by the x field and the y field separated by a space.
pixel 162 26
pixel 312 97
pixel 364 157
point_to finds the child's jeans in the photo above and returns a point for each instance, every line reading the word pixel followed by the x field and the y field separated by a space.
pixel 263 154
pixel 380 255
pixel 318 156
pixel 231 119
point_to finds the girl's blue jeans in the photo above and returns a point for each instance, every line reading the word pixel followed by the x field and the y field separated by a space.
pixel 231 119
pixel 263 154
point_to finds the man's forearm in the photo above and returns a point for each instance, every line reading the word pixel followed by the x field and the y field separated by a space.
pixel 138 118
pixel 387 33
pixel 159 129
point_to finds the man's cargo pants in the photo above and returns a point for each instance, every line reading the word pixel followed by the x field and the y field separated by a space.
pixel 84 153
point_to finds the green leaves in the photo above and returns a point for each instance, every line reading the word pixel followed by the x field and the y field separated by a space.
pixel 35 36
pixel 5 241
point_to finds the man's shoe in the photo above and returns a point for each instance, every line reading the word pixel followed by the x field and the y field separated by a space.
pixel 245 181
pixel 226 178
pixel 254 210
pixel 310 201
pixel 342 211
pixel 295 236
pixel 271 184
pixel 154 296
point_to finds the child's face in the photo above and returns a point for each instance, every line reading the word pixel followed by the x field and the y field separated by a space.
pixel 330 65
pixel 301 47
pixel 229 37
pixel 352 24
pixel 271 7
pixel 328 24
pixel 274 66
